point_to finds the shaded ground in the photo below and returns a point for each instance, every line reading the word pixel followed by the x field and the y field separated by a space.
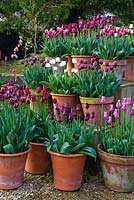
pixel 41 187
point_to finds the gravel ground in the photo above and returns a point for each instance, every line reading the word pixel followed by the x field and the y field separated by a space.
pixel 40 187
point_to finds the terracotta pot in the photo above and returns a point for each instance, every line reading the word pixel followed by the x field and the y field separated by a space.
pixel 38 160
pixel 95 107
pixel 68 170
pixel 12 168
pixel 79 58
pixel 119 69
pixel 118 171
pixel 129 70
pixel 63 99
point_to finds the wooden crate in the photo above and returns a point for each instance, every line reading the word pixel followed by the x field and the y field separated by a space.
pixel 125 90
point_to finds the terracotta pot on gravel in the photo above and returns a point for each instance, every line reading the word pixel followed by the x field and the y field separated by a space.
pixel 12 168
pixel 95 107
pixel 129 70
pixel 118 171
pixel 68 170
pixel 63 99
pixel 38 160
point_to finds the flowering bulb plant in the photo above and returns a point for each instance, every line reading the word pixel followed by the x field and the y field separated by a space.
pixel 117 133
pixel 94 82
pixel 68 133
pixel 35 74
pixel 62 83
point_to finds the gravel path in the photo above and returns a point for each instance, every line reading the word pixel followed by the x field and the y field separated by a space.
pixel 40 187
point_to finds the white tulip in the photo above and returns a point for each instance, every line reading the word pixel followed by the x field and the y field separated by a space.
pixel 47 65
pixel 74 60
pixel 131 26
pixel 55 68
pixel 65 70
pixel 115 34
pixel 63 63
pixel 131 31
pixel 57 59
pixel 74 70
pixel 52 62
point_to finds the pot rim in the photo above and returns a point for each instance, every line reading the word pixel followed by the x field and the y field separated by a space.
pixel 36 144
pixel 80 56
pixel 67 155
pixel 112 155
pixel 53 94
pixel 95 100
pixel 15 154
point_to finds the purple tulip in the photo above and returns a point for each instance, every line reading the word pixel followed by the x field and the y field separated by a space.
pixel 93 115
pixel 124 107
pixel 87 116
pixel 78 107
pixel 87 105
pixel 132 111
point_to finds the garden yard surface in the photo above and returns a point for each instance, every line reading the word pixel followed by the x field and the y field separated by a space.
pixel 40 187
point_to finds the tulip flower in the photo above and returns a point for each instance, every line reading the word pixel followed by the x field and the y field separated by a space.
pixel 103 100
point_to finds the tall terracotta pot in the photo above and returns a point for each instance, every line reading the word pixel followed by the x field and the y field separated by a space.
pixel 68 170
pixel 70 65
pixel 76 59
pixel 129 70
pixel 63 99
pixel 119 69
pixel 95 107
pixel 118 171
pixel 12 168
pixel 38 160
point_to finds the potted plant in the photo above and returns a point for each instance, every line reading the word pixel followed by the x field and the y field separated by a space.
pixel 111 49
pixel 68 144
pixel 38 160
pixel 82 48
pixel 116 149
pixel 93 83
pixel 62 88
pixel 33 77
pixel 17 128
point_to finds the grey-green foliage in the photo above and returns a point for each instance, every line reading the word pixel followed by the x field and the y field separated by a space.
pixel 70 138
pixel 62 83
pixel 56 46
pixel 92 83
pixel 83 45
pixel 17 128
pixel 34 75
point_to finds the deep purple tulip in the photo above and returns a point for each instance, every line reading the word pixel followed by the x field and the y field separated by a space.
pixel 87 105
pixel 93 115
pixel 78 107
pixel 87 116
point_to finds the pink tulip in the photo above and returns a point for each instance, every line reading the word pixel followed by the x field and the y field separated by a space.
pixel 116 114
pixel 109 121
pixel 103 100
pixel 111 109
pixel 124 107
pixel 105 114
pixel 118 104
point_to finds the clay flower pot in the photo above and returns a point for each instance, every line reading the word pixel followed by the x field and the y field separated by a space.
pixel 63 99
pixel 12 168
pixel 76 59
pixel 119 69
pixel 95 106
pixel 118 171
pixel 38 160
pixel 129 70
pixel 68 170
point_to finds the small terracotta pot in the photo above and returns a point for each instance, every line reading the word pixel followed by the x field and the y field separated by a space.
pixel 95 107
pixel 12 168
pixel 63 99
pixel 79 58
pixel 119 69
pixel 68 170
pixel 118 171
pixel 129 70
pixel 38 160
